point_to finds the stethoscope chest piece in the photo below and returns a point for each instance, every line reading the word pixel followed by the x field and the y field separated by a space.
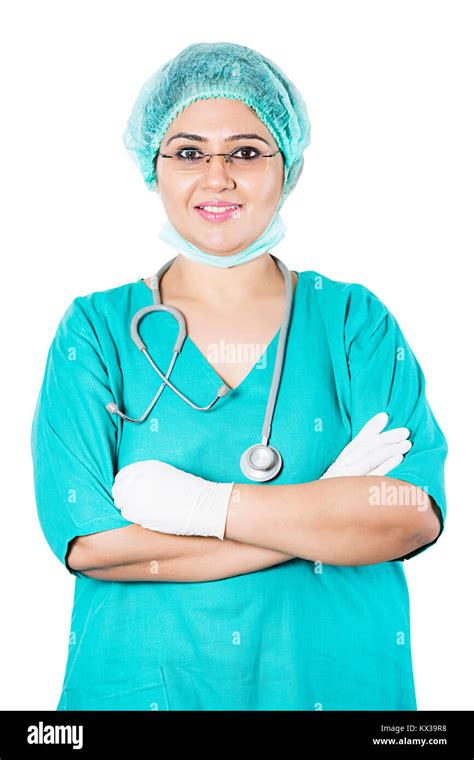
pixel 260 462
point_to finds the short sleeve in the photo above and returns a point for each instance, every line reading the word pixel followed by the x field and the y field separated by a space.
pixel 385 376
pixel 73 438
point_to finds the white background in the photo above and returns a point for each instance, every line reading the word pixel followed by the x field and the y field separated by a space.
pixel 385 199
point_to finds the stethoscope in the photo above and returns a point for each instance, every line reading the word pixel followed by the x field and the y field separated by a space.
pixel 259 462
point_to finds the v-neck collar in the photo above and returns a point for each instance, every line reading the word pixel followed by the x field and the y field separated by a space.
pixel 211 370
pixel 206 365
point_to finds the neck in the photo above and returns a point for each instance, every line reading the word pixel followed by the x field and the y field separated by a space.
pixel 219 287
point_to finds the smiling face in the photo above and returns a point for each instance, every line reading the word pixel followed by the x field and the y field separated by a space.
pixel 256 192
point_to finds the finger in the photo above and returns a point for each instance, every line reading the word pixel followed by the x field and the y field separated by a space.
pixel 394 435
pixel 387 466
pixel 378 456
pixel 363 464
pixel 375 425
pixel 373 449
pixel 371 428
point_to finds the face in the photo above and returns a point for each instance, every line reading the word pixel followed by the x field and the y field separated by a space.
pixel 256 192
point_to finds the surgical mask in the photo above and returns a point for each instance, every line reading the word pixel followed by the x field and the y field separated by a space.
pixel 268 239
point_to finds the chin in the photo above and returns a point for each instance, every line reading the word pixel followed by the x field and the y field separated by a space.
pixel 220 247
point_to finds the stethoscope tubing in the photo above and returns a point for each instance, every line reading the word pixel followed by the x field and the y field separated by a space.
pixel 247 465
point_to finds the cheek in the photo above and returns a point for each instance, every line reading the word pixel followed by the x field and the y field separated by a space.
pixel 175 194
pixel 266 191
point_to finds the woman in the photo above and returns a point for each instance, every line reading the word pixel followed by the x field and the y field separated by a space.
pixel 197 588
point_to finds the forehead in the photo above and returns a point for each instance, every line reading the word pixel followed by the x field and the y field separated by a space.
pixel 217 118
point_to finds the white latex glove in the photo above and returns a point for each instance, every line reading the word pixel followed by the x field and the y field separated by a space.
pixel 371 452
pixel 162 497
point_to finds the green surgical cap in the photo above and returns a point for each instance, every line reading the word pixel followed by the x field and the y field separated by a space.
pixel 219 70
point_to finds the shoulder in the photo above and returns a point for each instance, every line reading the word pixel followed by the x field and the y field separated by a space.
pixel 98 304
pixel 353 298
pixel 94 318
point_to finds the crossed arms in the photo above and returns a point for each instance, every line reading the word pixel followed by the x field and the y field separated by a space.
pixel 332 521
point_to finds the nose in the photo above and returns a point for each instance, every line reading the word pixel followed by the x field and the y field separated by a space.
pixel 218 173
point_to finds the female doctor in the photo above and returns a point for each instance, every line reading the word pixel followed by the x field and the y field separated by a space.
pixel 226 559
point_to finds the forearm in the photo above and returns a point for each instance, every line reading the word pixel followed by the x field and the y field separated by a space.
pixel 134 553
pixel 338 521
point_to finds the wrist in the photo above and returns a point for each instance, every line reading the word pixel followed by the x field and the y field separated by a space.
pixel 209 514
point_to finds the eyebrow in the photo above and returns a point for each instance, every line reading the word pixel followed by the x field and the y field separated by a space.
pixel 231 138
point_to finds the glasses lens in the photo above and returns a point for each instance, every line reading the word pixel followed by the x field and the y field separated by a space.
pixel 188 160
pixel 243 161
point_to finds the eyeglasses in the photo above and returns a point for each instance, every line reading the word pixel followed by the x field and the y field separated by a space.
pixel 245 164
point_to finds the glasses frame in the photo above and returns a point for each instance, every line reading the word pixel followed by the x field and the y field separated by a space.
pixel 227 157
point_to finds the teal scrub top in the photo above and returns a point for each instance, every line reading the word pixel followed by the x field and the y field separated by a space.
pixel 295 636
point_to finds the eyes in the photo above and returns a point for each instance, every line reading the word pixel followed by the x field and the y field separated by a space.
pixel 246 153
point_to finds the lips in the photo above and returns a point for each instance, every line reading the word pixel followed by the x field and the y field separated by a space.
pixel 220 213
pixel 221 204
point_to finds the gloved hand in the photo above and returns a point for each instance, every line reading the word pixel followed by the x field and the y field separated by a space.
pixel 371 452
pixel 162 497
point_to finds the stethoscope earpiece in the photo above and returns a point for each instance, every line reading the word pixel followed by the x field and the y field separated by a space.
pixel 259 462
